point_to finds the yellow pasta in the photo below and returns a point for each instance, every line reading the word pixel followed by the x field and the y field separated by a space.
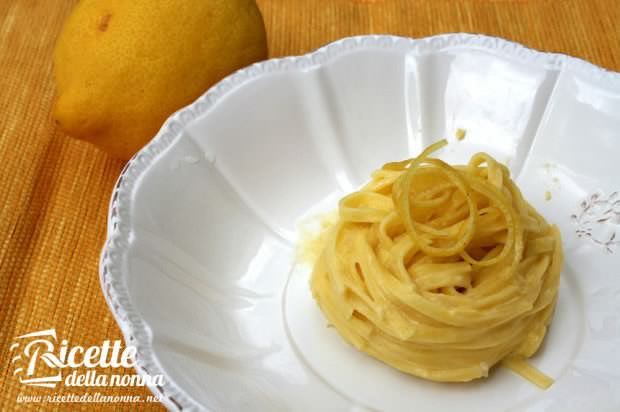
pixel 441 271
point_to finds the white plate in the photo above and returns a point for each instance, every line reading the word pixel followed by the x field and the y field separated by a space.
pixel 199 266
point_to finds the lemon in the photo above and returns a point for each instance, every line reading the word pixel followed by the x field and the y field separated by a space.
pixel 122 67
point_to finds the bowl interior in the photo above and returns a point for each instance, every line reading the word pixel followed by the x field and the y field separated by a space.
pixel 214 218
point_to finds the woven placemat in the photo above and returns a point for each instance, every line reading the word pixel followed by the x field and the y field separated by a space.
pixel 54 190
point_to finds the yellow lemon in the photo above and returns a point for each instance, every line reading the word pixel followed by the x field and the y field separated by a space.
pixel 122 67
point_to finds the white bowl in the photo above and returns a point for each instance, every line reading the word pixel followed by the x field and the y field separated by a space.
pixel 203 220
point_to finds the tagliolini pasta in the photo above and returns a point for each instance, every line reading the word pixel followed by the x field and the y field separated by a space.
pixel 441 271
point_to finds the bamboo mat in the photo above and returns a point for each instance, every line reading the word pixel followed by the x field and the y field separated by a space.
pixel 54 190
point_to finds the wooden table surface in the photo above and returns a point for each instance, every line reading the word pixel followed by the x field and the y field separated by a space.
pixel 54 190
